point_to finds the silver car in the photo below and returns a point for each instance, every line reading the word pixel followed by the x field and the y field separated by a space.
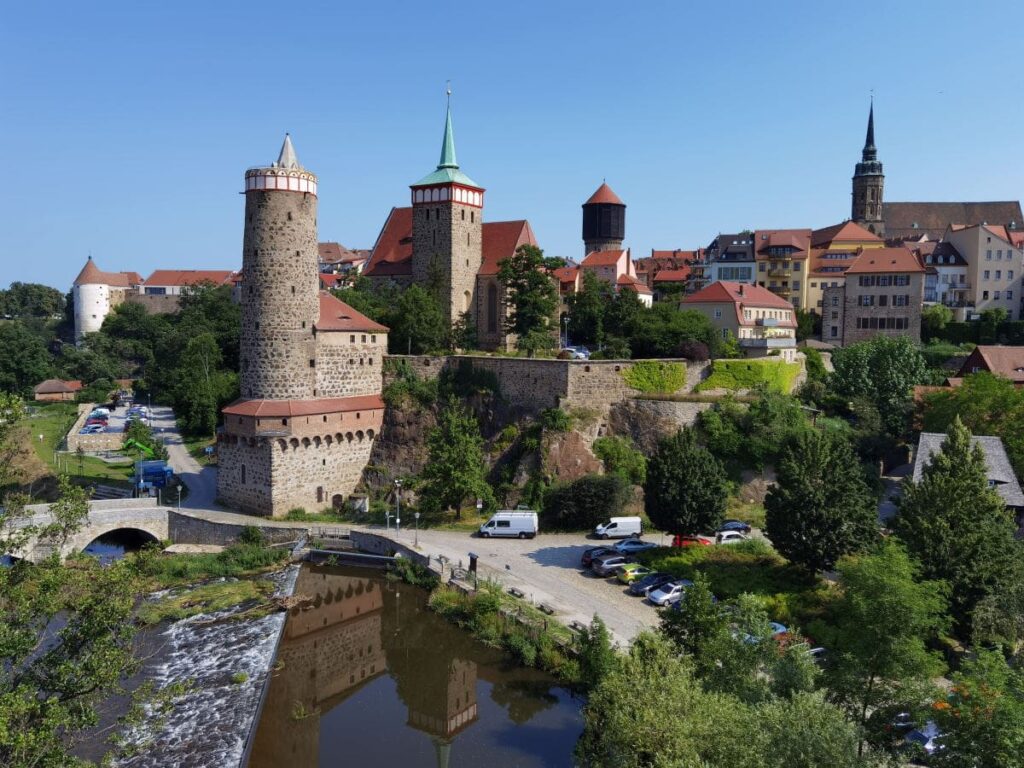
pixel 606 564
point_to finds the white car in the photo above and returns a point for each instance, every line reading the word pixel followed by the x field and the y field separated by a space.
pixel 667 594
pixel 730 537
pixel 632 546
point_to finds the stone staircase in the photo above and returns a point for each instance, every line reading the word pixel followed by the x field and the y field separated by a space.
pixel 110 492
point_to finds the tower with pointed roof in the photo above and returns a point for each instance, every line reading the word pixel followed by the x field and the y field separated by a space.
pixel 604 221
pixel 311 366
pixel 868 183
pixel 95 293
pixel 447 230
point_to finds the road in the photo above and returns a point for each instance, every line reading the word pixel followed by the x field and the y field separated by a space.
pixel 201 481
pixel 547 570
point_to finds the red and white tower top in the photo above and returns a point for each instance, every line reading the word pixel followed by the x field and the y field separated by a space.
pixel 285 175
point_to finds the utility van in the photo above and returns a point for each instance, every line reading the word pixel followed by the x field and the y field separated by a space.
pixel 619 528
pixel 511 523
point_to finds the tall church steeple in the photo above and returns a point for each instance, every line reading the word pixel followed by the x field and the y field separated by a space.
pixel 868 183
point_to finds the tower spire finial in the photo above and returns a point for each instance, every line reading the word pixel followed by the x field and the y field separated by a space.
pixel 448 143
pixel 287 158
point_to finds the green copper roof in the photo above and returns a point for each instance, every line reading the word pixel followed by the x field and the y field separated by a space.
pixel 448 169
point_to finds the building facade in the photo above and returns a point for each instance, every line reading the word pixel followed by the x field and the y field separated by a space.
pixel 311 366
pixel 882 294
pixel 781 257
pixel 730 259
pixel 993 267
pixel 761 321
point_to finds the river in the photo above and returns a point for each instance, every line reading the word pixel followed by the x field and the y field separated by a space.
pixel 370 677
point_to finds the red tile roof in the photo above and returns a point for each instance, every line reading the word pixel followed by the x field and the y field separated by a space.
pixel 336 315
pixel 672 275
pixel 392 253
pixel 630 283
pixel 501 239
pixel 177 277
pixel 336 253
pixel 290 408
pixel 566 274
pixel 873 260
pixel 330 281
pixel 798 239
pixel 738 293
pixel 604 194
pixel 93 275
pixel 1002 361
pixel 57 386
pixel 602 258
pixel 845 232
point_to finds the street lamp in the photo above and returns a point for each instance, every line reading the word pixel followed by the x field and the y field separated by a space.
pixel 565 322
pixel 398 505
pixel 416 536
pixel 179 497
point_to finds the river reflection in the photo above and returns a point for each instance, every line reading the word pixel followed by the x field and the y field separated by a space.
pixel 368 676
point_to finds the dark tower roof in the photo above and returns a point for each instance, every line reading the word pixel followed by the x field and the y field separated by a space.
pixel 869 164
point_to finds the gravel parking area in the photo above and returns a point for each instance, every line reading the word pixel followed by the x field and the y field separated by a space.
pixel 547 569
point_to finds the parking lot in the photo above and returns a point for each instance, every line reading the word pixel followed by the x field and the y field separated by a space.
pixel 117 420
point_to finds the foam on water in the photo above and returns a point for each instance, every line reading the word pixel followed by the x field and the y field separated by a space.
pixel 209 725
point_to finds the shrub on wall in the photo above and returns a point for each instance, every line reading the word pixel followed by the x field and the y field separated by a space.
pixel 748 374
pixel 621 458
pixel 654 376
pixel 583 503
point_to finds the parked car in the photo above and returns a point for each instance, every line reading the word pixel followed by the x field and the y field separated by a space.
pixel 619 528
pixel 92 429
pixel 594 552
pixel 511 523
pixel 630 572
pixel 733 525
pixel 669 593
pixel 606 565
pixel 100 412
pixel 641 587
pixel 926 740
pixel 92 422
pixel 730 537
pixel 691 541
pixel 578 353
pixel 632 546
pixel 777 628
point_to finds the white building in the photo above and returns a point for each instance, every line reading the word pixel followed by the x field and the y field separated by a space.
pixel 96 293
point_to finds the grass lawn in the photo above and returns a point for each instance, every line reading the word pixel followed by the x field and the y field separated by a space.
pixel 205 598
pixel 749 512
pixel 53 421
pixel 196 446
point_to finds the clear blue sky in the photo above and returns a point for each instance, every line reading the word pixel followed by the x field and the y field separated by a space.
pixel 126 127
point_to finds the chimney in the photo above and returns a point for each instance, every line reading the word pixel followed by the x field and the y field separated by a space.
pixel 741 289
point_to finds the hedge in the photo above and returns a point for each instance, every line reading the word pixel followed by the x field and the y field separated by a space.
pixel 650 376
pixel 748 374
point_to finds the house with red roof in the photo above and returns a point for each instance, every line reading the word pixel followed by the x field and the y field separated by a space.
pixel 833 250
pixel 336 259
pixel 882 293
pixel 616 268
pixel 175 282
pixel 56 390
pixel 761 321
pixel 781 258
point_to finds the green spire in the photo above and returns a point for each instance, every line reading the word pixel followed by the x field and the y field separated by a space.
pixel 448 143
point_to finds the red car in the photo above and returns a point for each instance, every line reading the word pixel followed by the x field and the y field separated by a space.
pixel 101 422
pixel 691 541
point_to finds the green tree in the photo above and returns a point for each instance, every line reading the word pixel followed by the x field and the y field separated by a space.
pixel 934 319
pixel 31 300
pixel 597 655
pixel 820 508
pixel 586 310
pixel 203 386
pixel 12 437
pixel 532 298
pixel 584 502
pixel 808 324
pixel 417 323
pixel 463 335
pixel 24 359
pixel 686 487
pixel 621 458
pixel 699 628
pixel 983 717
pixel 805 731
pixel 455 467
pixel 883 369
pixel 959 527
pixel 660 330
pixel 883 620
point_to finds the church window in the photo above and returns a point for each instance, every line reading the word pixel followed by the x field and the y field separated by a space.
pixel 492 308
pixel 434 237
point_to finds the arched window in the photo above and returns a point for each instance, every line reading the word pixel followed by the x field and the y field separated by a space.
pixel 466 299
pixel 492 308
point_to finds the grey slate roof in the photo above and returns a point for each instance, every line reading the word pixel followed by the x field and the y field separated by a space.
pixel 999 472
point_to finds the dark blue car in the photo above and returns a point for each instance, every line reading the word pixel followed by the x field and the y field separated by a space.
pixel 733 525
pixel 641 587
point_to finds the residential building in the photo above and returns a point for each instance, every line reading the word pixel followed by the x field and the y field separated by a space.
pixel 95 293
pixel 649 267
pixel 998 469
pixel 670 282
pixel 763 322
pixel 616 268
pixel 56 390
pixel 175 282
pixel 946 276
pixel 730 258
pixel 336 259
pixel 1007 362
pixel 994 266
pixel 882 293
pixel 833 250
pixel 781 257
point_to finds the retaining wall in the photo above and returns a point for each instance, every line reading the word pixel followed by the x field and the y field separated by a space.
pixel 186 529
pixel 104 441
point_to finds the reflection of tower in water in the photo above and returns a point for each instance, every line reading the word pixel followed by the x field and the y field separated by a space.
pixel 329 648
pixel 445 711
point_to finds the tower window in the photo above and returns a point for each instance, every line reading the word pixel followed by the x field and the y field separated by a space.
pixel 467 243
pixel 463 214
pixel 312 363
pixel 289 215
pixel 293 290
pixel 434 237
pixel 243 474
pixel 472 216
pixel 437 214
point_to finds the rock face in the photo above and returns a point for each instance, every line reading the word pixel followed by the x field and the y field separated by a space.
pixel 567 457
pixel 401 448
pixel 646 422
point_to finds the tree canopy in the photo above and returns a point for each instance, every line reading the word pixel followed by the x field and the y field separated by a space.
pixel 455 470
pixel 532 298
pixel 24 359
pixel 686 487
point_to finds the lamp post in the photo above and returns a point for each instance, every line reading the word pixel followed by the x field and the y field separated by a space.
pixel 416 536
pixel 179 497
pixel 565 323
pixel 398 505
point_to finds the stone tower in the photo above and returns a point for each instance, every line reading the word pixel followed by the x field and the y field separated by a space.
pixel 447 230
pixel 302 432
pixel 868 181
pixel 604 221
pixel 280 292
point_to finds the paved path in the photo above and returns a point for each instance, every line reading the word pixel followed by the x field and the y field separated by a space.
pixel 201 481
pixel 547 570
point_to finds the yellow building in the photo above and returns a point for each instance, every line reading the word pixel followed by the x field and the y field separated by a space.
pixel 781 258
pixel 833 250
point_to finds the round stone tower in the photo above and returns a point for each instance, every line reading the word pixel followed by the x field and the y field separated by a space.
pixel 280 291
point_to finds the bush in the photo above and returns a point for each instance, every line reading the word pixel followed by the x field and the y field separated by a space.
pixel 407 385
pixel 555 420
pixel 622 459
pixel 250 534
pixel 746 374
pixel 583 503
pixel 815 365
pixel 693 350
pixel 654 376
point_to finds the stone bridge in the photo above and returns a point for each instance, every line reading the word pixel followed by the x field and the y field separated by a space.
pixel 179 526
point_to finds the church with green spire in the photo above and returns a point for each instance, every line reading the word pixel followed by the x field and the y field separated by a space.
pixel 442 243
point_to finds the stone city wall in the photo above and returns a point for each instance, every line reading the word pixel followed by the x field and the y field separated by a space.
pixel 185 528
pixel 349 364
pixel 155 304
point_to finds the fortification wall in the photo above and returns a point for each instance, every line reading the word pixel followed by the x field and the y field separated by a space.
pixel 349 364
pixel 155 304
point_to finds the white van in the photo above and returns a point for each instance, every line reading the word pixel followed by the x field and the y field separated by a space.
pixel 511 523
pixel 619 528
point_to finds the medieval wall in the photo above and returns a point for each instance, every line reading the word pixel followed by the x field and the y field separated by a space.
pixel 349 364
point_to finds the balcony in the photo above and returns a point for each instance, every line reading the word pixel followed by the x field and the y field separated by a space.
pixel 767 322
pixel 775 271
pixel 768 342
pixel 781 290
